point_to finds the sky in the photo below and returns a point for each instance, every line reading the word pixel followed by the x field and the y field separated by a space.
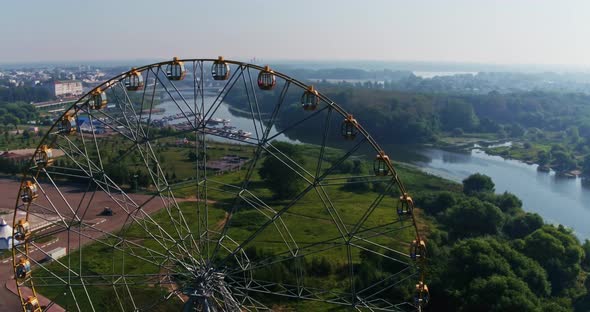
pixel 472 31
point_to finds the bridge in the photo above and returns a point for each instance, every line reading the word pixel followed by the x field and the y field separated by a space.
pixel 54 106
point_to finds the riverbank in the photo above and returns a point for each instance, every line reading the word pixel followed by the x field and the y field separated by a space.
pixel 547 156
pixel 557 199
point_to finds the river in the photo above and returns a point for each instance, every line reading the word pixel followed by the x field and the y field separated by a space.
pixel 558 200
pixel 246 124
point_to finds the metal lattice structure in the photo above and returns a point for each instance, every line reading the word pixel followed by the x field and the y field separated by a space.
pixel 170 210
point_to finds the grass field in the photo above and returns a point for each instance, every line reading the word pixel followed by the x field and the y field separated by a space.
pixel 308 237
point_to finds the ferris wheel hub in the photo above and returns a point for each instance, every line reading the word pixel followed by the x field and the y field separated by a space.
pixel 209 292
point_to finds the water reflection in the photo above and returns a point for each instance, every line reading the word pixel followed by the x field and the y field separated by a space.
pixel 223 112
pixel 558 199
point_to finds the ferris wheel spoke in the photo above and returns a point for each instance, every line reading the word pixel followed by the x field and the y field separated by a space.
pixel 288 162
pixel 52 204
pixel 222 94
pixel 113 124
pixel 176 103
pixel 267 223
pixel 199 87
pixel 168 200
pixel 268 212
pixel 71 150
pixel 148 122
pixel 292 291
pixel 77 215
pixel 179 94
pixel 128 122
pixel 131 120
pixel 329 205
pixel 144 220
pixel 245 182
pixel 75 298
pixel 140 107
pixel 95 147
pixel 111 241
pixel 384 231
pixel 227 227
pixel 371 296
pixel 299 122
pixel 252 103
pixel 305 249
pixel 324 141
pixel 275 113
pixel 289 205
pixel 87 294
pixel 141 128
pixel 114 279
pixel 376 202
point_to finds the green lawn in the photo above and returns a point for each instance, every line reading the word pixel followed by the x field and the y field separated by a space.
pixel 312 232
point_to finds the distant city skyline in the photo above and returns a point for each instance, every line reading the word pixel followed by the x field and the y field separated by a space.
pixel 465 31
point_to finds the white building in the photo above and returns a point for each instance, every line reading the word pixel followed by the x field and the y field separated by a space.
pixel 67 88
pixel 5 235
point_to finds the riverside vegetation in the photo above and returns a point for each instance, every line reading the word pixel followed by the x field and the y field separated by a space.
pixel 551 129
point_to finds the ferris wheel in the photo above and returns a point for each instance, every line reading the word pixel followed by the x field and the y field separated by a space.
pixel 214 185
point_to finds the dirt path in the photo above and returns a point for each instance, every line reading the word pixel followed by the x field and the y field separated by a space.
pixel 221 223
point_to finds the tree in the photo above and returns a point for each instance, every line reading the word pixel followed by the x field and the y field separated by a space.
pixel 523 225
pixel 486 274
pixel 478 183
pixel 282 180
pixel 544 158
pixel 573 133
pixel 558 251
pixel 508 203
pixel 11 120
pixel 517 131
pixel 500 293
pixel 565 161
pixel 357 184
pixel 192 156
pixel 586 262
pixel 586 168
pixel 433 203
pixel 472 217
pixel 458 113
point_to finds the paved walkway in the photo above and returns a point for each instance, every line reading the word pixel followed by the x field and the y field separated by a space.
pixel 9 188
pixel 11 285
pixel 8 301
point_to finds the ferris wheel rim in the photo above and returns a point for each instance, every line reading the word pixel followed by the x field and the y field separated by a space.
pixel 117 79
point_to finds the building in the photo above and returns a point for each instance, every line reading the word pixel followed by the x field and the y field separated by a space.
pixel 67 88
pixel 84 125
pixel 5 235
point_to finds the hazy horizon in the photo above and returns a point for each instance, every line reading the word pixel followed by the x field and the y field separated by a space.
pixel 528 32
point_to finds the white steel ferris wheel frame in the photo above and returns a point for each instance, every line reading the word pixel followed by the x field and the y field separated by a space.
pixel 229 291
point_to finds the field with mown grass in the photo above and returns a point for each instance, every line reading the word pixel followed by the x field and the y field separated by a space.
pixel 309 236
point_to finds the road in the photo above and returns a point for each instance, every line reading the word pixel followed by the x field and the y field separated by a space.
pixel 8 192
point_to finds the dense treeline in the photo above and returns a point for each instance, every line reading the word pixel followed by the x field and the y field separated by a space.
pixel 17 113
pixel 432 114
pixel 490 255
pixel 25 94
pixel 398 117
pixel 464 83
